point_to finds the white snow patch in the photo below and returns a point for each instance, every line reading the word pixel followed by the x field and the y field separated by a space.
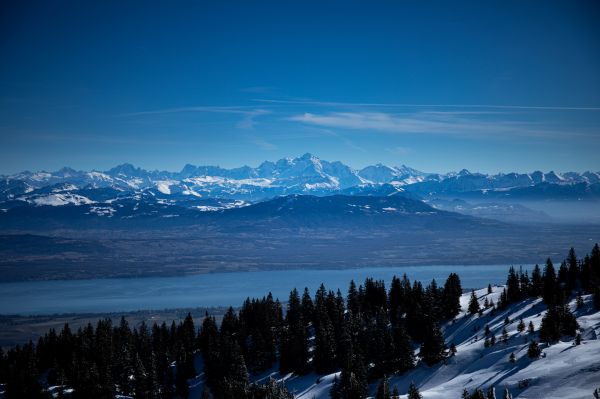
pixel 62 199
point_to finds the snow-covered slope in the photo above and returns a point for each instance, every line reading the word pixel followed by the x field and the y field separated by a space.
pixel 565 370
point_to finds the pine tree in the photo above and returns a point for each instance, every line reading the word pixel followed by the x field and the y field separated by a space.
pixel 549 284
pixel 513 291
pixel 413 392
pixel 473 303
pixel 451 296
pixel 507 394
pixel 512 358
pixel 477 394
pixel 294 341
pixel 491 393
pixel 433 348
pixel 558 321
pixel 534 351
pixel 383 388
pixel 579 300
pixel 402 355
pixel 596 298
pixel 334 392
pixel 537 282
pixel 504 335
pixel 521 326
pixel 531 328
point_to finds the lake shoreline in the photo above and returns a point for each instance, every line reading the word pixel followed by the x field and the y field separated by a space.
pixel 212 290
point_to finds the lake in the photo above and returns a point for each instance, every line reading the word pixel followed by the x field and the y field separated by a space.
pixel 211 290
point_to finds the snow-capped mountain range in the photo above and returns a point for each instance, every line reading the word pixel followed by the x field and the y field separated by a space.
pixel 302 175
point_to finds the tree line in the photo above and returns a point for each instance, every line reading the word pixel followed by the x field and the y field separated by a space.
pixel 367 335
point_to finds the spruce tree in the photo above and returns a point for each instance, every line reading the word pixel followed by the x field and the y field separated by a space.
pixel 513 291
pixel 451 296
pixel 413 392
pixel 383 388
pixel 433 348
pixel 537 282
pixel 534 351
pixel 521 326
pixel 294 341
pixel 558 321
pixel 402 355
pixel 473 303
pixel 549 284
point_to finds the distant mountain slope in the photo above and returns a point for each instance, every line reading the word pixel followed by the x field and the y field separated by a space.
pixel 302 175
pixel 287 211
pixel 135 237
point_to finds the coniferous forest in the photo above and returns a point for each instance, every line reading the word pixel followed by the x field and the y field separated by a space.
pixel 369 334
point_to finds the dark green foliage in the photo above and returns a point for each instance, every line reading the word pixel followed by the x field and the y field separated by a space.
pixel 451 296
pixel 513 290
pixel 557 322
pixel 473 303
pixel 271 390
pixel 433 348
pixel 294 339
pixel 549 284
pixel 534 351
pixel 521 326
pixel 596 298
pixel 537 282
pixel 477 394
pixel 413 392
pixel 383 389
pixel 573 270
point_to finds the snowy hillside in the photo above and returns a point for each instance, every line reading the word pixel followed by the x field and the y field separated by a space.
pixel 564 370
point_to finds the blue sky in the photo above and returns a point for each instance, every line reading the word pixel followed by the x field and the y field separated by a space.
pixel 488 86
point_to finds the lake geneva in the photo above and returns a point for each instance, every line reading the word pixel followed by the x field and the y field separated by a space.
pixel 212 290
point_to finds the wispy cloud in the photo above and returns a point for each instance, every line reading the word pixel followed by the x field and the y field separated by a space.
pixel 262 143
pixel 424 123
pixel 259 89
pixel 248 113
pixel 409 105
pixel 399 150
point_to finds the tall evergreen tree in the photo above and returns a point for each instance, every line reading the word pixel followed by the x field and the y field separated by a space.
pixel 383 388
pixel 433 348
pixel 473 303
pixel 451 296
pixel 549 281
pixel 294 341
pixel 413 392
